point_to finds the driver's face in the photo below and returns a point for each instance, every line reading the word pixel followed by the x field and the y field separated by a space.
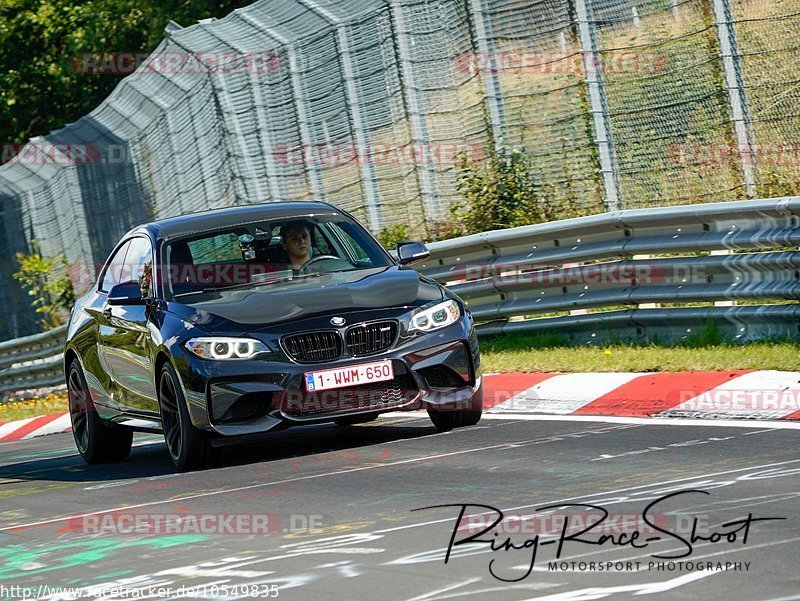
pixel 297 243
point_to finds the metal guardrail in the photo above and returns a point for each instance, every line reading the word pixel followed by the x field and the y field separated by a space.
pixel 33 361
pixel 33 347
pixel 721 253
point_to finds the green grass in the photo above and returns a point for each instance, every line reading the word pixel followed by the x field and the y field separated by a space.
pixel 21 408
pixel 551 354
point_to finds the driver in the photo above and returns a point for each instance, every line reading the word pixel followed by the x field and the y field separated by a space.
pixel 296 241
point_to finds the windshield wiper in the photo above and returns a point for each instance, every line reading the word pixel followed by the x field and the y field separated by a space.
pixel 200 291
pixel 249 284
pixel 287 278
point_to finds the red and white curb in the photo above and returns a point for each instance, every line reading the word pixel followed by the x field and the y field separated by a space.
pixel 35 426
pixel 738 395
pixel 760 395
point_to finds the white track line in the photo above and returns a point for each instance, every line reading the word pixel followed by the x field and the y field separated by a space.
pixel 651 421
pixel 259 485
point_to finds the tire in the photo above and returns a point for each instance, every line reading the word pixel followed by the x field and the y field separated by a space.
pixel 97 440
pixel 355 419
pixel 447 420
pixel 187 446
pixel 458 418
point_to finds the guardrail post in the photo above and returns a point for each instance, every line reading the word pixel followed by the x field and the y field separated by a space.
pixel 645 305
pixel 734 82
pixel 598 107
pixel 722 303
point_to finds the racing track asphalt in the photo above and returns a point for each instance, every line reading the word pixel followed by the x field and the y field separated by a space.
pixel 339 504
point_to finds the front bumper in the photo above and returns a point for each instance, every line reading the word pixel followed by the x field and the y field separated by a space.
pixel 437 371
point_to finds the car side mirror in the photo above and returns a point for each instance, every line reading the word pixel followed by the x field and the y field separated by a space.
pixel 409 253
pixel 125 293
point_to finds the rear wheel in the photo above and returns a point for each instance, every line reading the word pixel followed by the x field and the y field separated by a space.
pixel 97 440
pixel 188 447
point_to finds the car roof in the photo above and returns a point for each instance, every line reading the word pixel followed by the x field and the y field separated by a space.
pixel 195 223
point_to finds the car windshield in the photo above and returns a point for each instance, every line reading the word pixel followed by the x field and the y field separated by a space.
pixel 264 253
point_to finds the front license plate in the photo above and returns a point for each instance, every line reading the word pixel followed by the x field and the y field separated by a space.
pixel 352 375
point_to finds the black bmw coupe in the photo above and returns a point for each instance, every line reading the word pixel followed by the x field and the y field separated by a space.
pixel 221 326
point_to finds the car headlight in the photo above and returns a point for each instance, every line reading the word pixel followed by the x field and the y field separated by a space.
pixel 436 317
pixel 218 347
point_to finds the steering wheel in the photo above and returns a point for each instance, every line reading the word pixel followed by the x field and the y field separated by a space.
pixel 304 267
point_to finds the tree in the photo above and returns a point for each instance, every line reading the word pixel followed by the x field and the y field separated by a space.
pixel 42 86
pixel 391 235
pixel 53 294
pixel 499 193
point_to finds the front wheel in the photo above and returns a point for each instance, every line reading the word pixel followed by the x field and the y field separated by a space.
pixel 97 440
pixel 188 447
pixel 459 417
pixel 447 420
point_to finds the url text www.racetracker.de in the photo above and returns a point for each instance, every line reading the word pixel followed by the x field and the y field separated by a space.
pixel 142 591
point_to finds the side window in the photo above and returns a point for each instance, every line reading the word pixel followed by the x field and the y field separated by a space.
pixel 352 245
pixel 114 269
pixel 139 265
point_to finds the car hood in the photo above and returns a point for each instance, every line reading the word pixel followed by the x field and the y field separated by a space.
pixel 247 309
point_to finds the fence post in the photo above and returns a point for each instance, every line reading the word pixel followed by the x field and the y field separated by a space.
pixel 179 173
pixel 420 140
pixel 274 179
pixel 312 173
pixel 740 112
pixel 219 98
pixel 598 107
pixel 365 161
pixel 369 178
pixel 488 65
